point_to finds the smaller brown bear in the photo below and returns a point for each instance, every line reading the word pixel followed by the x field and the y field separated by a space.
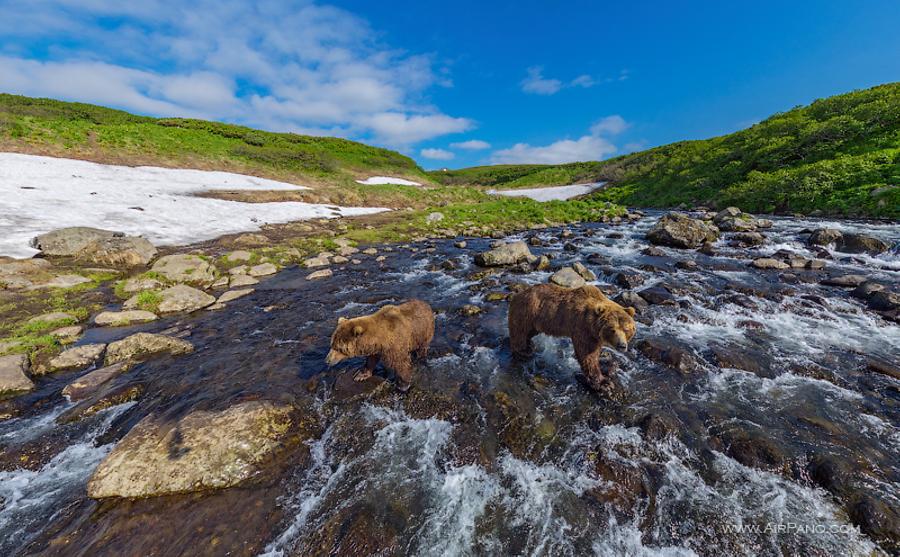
pixel 392 333
pixel 583 314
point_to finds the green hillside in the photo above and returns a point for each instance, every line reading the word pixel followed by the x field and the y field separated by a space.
pixel 45 126
pixel 838 156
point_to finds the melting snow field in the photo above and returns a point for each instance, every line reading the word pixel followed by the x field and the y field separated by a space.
pixel 40 194
pixel 381 180
pixel 550 194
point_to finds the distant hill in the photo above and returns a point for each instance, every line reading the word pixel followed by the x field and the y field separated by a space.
pixel 837 156
pixel 84 131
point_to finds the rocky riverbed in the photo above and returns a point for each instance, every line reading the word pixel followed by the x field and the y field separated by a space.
pixel 755 414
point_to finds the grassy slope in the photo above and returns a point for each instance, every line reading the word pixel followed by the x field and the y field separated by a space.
pixel 57 128
pixel 839 155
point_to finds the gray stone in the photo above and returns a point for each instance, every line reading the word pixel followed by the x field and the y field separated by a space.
pixel 79 357
pixel 505 254
pixel 884 300
pixel 861 243
pixel 239 256
pixel 844 280
pixel 824 236
pixel 680 231
pixel 63 281
pixel 585 273
pixel 865 290
pixel 183 298
pixel 185 268
pixel 317 261
pixel 88 383
pixel 769 263
pixel 315 275
pixel 242 280
pixel 141 346
pixel 139 284
pixel 67 335
pixel 215 450
pixel 567 277
pixel 234 295
pixel 130 251
pixel 263 269
pixel 13 374
pixel 123 318
pixel 434 217
pixel 67 242
pixel 53 317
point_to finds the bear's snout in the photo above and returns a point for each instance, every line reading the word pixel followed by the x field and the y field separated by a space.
pixel 333 357
pixel 621 342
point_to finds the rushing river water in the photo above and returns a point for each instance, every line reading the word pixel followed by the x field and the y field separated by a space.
pixel 775 439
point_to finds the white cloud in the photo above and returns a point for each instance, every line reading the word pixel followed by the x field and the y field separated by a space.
pixel 590 147
pixel 583 81
pixel 610 125
pixel 292 65
pixel 539 85
pixel 471 145
pixel 437 154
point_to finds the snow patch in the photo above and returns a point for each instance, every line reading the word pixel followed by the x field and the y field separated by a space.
pixel 550 194
pixel 40 194
pixel 381 180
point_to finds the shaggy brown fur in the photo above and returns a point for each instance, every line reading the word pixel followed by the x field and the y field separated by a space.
pixel 583 314
pixel 392 333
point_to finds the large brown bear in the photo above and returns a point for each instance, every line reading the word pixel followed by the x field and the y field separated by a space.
pixel 392 333
pixel 583 314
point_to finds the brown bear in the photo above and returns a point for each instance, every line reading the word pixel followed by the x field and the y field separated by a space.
pixel 392 333
pixel 583 314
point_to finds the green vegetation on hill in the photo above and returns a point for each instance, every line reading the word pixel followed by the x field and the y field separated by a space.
pixel 837 156
pixel 57 128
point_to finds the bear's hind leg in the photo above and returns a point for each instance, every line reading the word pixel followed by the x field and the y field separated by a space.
pixel 401 363
pixel 520 335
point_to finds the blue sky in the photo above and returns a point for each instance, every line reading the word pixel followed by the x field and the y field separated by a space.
pixel 455 84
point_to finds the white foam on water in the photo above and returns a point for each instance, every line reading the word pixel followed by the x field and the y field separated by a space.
pixel 40 194
pixel 32 498
pixel 22 430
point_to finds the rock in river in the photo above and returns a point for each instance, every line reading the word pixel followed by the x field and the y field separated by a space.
pixel 507 254
pixel 681 231
pixel 12 374
pixel 77 358
pixel 567 277
pixel 123 318
pixel 183 298
pixel 202 450
pixel 90 382
pixel 185 268
pixel 141 346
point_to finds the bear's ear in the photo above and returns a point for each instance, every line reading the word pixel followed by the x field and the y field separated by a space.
pixel 358 330
pixel 630 311
pixel 341 319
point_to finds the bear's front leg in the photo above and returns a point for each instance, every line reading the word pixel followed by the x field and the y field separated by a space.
pixel 401 363
pixel 366 372
pixel 588 355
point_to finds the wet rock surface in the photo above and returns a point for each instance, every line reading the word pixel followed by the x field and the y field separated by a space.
pixel 742 400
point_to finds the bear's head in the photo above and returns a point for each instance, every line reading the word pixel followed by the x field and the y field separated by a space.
pixel 347 340
pixel 616 325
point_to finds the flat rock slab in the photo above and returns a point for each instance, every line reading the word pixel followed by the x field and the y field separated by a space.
pixel 324 273
pixel 202 450
pixel 185 268
pixel 181 298
pixel 141 346
pixel 139 284
pixel 263 269
pixel 79 357
pixel 845 280
pixel 53 317
pixel 63 281
pixel 233 295
pixel 87 384
pixel 67 242
pixel 13 376
pixel 242 280
pixel 122 318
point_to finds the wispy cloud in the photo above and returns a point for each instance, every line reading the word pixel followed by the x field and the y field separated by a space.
pixel 471 145
pixel 437 154
pixel 293 65
pixel 591 147
pixel 537 84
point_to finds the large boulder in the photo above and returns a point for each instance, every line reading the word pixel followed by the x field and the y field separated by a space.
pixel 141 346
pixel 181 298
pixel 507 254
pixel 67 242
pixel 13 377
pixel 567 277
pixel 130 251
pixel 202 450
pixel 681 231
pixel 185 268
pixel 824 236
pixel 861 243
